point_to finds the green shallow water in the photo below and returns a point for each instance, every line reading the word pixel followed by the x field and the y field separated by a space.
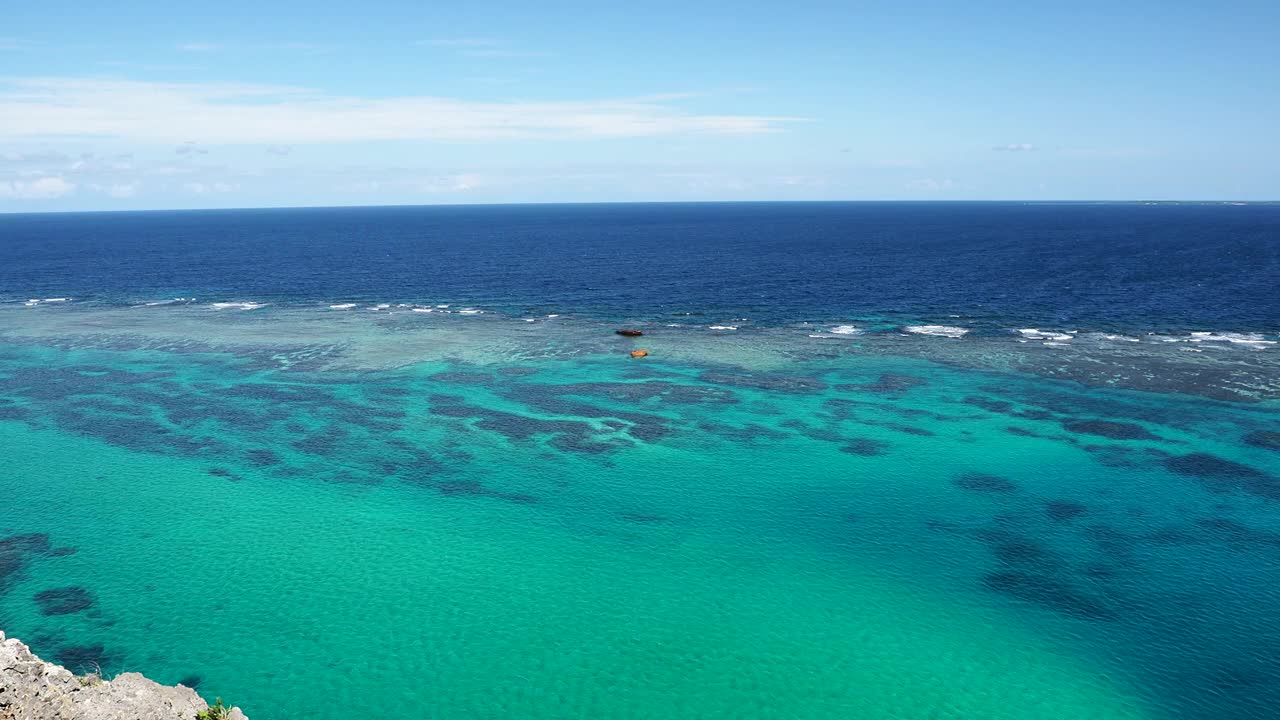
pixel 593 537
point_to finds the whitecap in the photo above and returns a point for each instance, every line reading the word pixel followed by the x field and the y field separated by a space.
pixel 342 306
pixel 424 310
pixel 237 305
pixel 1252 340
pixel 845 330
pixel 470 311
pixel 939 330
pixel 722 327
pixel 1037 334
pixel 531 320
pixel 56 299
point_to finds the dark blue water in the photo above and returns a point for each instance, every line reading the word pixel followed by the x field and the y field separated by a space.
pixel 1109 266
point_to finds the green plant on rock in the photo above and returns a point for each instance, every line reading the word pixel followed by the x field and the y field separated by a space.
pixel 216 711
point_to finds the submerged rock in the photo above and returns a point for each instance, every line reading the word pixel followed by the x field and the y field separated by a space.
pixel 1264 439
pixel 982 482
pixel 32 689
pixel 1109 429
pixel 64 601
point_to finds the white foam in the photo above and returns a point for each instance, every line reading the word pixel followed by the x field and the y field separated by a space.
pixel 1037 334
pixel 56 299
pixel 443 306
pixel 939 330
pixel 423 310
pixel 470 311
pixel 1056 344
pixel 722 327
pixel 845 330
pixel 342 306
pixel 1251 340
pixel 170 301
pixel 531 320
pixel 553 315
pixel 237 305
pixel 1126 338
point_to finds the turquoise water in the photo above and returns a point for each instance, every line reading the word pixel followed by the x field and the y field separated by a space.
pixel 318 514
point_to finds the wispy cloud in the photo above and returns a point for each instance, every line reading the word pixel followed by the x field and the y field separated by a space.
pixel 199 47
pixel 279 150
pixel 173 113
pixel 1015 147
pixel 199 188
pixel 190 148
pixel 117 190
pixel 45 188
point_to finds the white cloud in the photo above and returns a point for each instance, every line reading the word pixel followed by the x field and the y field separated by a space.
pixel 931 184
pixel 1015 147
pixel 280 150
pixel 190 148
pixel 117 190
pixel 44 188
pixel 200 188
pixel 150 112
pixel 199 47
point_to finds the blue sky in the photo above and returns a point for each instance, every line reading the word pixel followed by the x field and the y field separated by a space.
pixel 237 104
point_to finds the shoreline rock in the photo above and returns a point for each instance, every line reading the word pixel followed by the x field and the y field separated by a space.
pixel 32 689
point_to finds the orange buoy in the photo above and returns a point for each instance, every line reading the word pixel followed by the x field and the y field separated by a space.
pixel 639 353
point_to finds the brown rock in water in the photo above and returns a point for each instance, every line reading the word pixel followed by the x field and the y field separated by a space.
pixel 629 333
pixel 639 353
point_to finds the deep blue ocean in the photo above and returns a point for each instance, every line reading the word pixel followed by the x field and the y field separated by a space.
pixel 883 461
pixel 1095 266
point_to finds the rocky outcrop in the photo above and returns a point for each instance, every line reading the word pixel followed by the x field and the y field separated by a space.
pixel 32 689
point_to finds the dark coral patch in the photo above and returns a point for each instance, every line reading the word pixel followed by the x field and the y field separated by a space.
pixel 191 681
pixel 666 392
pixel 1023 432
pixel 983 482
pixel 893 383
pixel 1268 439
pixel 1020 551
pixel 813 433
pixel 1064 510
pixel 25 543
pixel 263 457
pixel 1109 429
pixel 517 371
pixel 224 473
pixel 749 433
pixel 464 378
pixel 63 551
pixel 996 406
pixel 1050 593
pixel 766 381
pixel 865 447
pixel 64 601
pixel 82 658
pixel 1221 475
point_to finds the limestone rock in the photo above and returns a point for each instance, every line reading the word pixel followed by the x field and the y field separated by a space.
pixel 32 689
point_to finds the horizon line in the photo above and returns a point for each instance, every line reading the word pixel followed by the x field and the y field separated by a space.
pixel 1146 201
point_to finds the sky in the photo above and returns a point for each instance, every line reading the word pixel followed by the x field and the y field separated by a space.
pixel 151 105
